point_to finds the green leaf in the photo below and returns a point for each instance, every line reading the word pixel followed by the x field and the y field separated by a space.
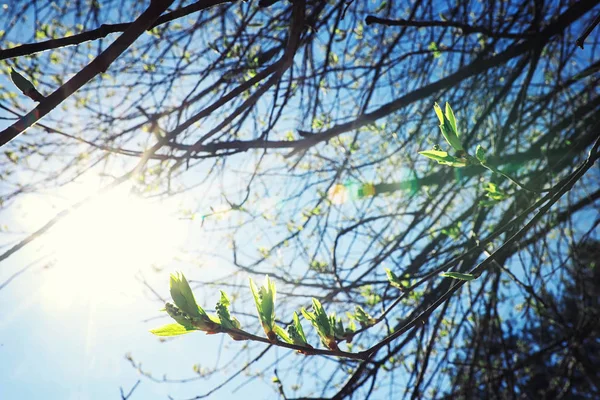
pixel 453 231
pixel 171 330
pixel 451 136
pixel 451 119
pixel 494 193
pixel 439 113
pixel 183 297
pixel 448 126
pixel 458 275
pixel 434 48
pixel 394 279
pixel 480 154
pixel 225 318
pixel 442 157
pixel 372 297
pixel 322 324
pixel 296 332
pixel 179 316
pixel 363 318
pixel 283 334
pixel 338 327
pixel 264 299
pixel 436 155
pixel 381 6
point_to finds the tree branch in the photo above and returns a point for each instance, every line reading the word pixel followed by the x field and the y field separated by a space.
pixel 103 31
pixel 465 28
pixel 98 65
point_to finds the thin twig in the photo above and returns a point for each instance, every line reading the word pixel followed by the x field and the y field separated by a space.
pixel 126 396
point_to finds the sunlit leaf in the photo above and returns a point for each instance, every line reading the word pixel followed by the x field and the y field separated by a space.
pixel 283 334
pixel 264 298
pixel 182 295
pixel 171 330
pixel 225 318
pixel 394 279
pixel 322 323
pixel 451 119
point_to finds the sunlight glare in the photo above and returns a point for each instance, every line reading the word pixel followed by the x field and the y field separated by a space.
pixel 100 248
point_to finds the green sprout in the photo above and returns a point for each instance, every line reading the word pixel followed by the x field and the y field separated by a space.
pixel 265 306
pixel 448 127
pixel 325 325
pixel 227 321
pixel 294 335
pixel 186 312
pixel 189 316
pixel 363 318
pixel 182 295
pixel 449 130
pixel 396 281
pixel 171 330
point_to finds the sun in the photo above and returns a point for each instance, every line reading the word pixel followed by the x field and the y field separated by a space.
pixel 99 248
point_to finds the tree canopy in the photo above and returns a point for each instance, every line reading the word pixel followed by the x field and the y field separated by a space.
pixel 458 248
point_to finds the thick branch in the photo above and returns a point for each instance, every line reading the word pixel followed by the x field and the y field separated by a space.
pixel 465 28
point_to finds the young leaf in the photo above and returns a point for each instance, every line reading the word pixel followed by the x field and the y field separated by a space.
pixel 322 324
pixel 451 119
pixel 171 330
pixel 204 322
pixel 448 127
pixel 180 317
pixel 436 155
pixel 183 297
pixel 265 306
pixel 458 275
pixel 283 334
pixel 494 193
pixel 451 136
pixel 296 332
pixel 363 318
pixel 394 279
pixel 439 113
pixel 443 157
pixel 225 318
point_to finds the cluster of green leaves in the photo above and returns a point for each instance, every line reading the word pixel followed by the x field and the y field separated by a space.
pixel 295 333
pixel 189 316
pixel 396 281
pixel 330 329
pixel 461 157
pixel 449 130
pixel 494 194
pixel 186 312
